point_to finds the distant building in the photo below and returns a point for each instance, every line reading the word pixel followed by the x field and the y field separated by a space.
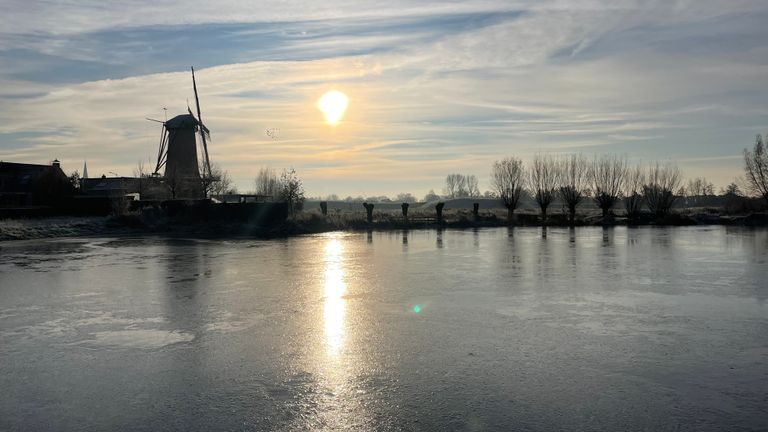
pixel 111 187
pixel 135 188
pixel 27 185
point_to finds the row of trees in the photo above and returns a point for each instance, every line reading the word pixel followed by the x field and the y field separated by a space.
pixel 573 178
pixel 461 186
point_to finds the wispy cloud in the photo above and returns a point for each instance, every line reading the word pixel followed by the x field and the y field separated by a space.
pixel 434 87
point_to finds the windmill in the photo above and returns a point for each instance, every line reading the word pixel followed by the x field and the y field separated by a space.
pixel 177 154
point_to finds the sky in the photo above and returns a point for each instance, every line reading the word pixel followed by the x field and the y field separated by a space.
pixel 434 87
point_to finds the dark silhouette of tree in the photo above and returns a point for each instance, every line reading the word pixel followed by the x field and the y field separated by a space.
pixel 756 168
pixel 543 180
pixel 508 180
pixel 291 190
pixel 75 179
pixel 404 207
pixel 218 182
pixel 700 186
pixel 574 179
pixel 607 174
pixel 659 190
pixel 172 181
pixel 731 190
pixel 633 191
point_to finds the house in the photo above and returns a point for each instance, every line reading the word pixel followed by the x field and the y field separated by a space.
pixel 31 185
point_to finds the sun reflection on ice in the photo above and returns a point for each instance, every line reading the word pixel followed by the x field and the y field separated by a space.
pixel 335 288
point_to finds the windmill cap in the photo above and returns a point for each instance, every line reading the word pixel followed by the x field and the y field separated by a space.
pixel 183 121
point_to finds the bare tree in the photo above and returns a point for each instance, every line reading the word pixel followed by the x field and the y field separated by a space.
pixel 543 180
pixel 406 198
pixel 659 190
pixel 699 186
pixel 452 185
pixel 267 183
pixel 140 173
pixel 221 182
pixel 215 182
pixel 508 182
pixel 731 190
pixel 574 181
pixel 756 168
pixel 173 181
pixel 291 190
pixel 633 191
pixel 607 177
pixel 455 186
pixel 473 186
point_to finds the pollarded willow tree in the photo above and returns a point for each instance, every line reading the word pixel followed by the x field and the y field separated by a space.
pixel 543 179
pixel 633 191
pixel 660 186
pixel 607 174
pixel 756 168
pixel 508 181
pixel 574 182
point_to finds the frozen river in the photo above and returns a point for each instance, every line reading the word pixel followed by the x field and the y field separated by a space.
pixel 609 330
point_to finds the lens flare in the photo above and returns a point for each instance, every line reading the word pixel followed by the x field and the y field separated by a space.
pixel 333 104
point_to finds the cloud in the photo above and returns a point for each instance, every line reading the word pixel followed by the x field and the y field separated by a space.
pixel 434 87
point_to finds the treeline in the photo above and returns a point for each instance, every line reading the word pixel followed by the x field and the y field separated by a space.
pixel 606 179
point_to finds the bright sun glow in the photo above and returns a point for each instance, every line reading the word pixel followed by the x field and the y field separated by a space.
pixel 335 288
pixel 333 104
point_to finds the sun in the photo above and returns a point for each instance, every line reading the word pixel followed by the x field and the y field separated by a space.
pixel 333 104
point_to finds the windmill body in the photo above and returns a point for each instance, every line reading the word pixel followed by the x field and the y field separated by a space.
pixel 178 157
pixel 182 147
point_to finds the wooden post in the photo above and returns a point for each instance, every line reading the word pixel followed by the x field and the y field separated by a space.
pixel 439 210
pixel 324 208
pixel 476 211
pixel 405 206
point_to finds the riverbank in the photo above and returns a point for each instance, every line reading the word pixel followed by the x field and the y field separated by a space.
pixel 314 223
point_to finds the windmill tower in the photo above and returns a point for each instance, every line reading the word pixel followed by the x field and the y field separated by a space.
pixel 177 155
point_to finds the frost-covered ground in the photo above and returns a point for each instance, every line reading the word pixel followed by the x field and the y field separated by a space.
pixel 26 229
